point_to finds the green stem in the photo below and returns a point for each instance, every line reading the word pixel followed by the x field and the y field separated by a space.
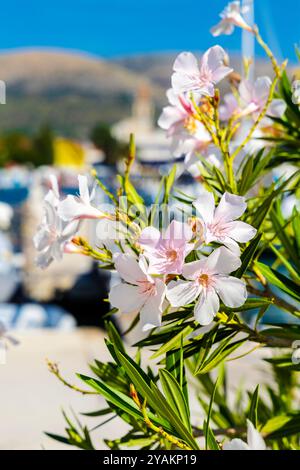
pixel 268 51
pixel 259 119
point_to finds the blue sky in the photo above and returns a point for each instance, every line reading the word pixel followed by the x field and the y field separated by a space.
pixel 111 28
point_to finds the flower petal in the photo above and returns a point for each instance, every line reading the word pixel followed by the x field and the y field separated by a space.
pixel 223 27
pixel 150 314
pixel 186 63
pixel 170 116
pixel 129 269
pixel 222 261
pixel 150 238
pixel 83 189
pixel 231 207
pixel 277 108
pixel 206 307
pixel 232 291
pixel 246 91
pixel 71 208
pixel 126 298
pixel 236 444
pixel 255 440
pixel 261 89
pixel 177 234
pixel 180 293
pixel 205 205
pixel 240 231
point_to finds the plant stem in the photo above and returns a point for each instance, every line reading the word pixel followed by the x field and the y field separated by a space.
pixel 268 51
pixel 53 368
pixel 158 430
pixel 259 119
pixel 229 432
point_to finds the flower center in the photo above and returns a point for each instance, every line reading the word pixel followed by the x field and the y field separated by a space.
pixel 147 288
pixel 171 255
pixel 190 125
pixel 204 280
pixel 217 229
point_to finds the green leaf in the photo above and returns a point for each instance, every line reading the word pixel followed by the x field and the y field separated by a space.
pixel 207 428
pixel 263 209
pixel 279 228
pixel 56 437
pixel 175 397
pixel 285 262
pixel 155 399
pixel 122 401
pixel 218 355
pixel 280 281
pixel 282 426
pixel 164 409
pixel 174 342
pixel 250 304
pixel 296 228
pixel 253 407
pixel 248 256
pixel 169 181
pixel 175 365
pixel 114 336
pixel 246 177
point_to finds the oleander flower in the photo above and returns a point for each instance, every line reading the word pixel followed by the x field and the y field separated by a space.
pixel 254 97
pixel 229 108
pixel 220 224
pixel 254 441
pixel 166 251
pixel 181 126
pixel 206 281
pixel 199 79
pixel 80 207
pixel 53 237
pixel 138 291
pixel 231 16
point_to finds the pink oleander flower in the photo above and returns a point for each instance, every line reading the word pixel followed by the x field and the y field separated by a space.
pixel 254 441
pixel 166 251
pixel 199 79
pixel 231 16
pixel 208 280
pixel 80 207
pixel 254 97
pixel 53 236
pixel 138 291
pixel 188 135
pixel 229 108
pixel 220 224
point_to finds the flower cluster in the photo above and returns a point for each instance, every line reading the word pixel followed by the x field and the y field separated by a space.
pixel 166 275
pixel 61 221
pixel 190 119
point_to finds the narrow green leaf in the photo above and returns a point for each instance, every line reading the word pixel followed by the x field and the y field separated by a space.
pixel 174 342
pixel 207 428
pixel 253 407
pixel 175 397
pixel 280 281
pixel 248 256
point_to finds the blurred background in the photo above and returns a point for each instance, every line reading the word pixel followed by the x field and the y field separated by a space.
pixel 80 77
